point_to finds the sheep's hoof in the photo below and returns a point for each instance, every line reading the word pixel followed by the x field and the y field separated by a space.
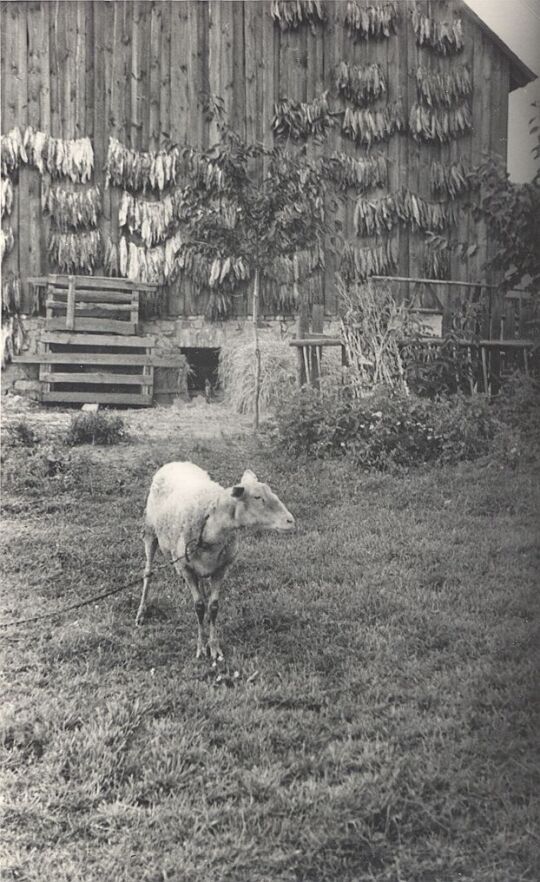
pixel 215 654
pixel 202 650
pixel 140 619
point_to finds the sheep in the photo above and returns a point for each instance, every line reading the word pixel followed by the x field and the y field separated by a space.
pixel 196 521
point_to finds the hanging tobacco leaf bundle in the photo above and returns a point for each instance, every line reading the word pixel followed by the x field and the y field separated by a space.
pixel 296 268
pixel 438 124
pixel 292 13
pixel 6 196
pixel 436 260
pixel 376 21
pixel 72 158
pixel 443 37
pixel 70 209
pixel 155 266
pixel 449 180
pixel 368 127
pixel 375 217
pixel 361 84
pixel 75 252
pixel 12 151
pixel 358 264
pixel 201 171
pixel 299 119
pixel 438 89
pixel 152 221
pixel 111 259
pixel 347 172
pixel 135 171
pixel 11 295
pixel 7 241
pixel 419 214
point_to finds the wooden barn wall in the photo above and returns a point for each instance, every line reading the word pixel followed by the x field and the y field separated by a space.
pixel 140 71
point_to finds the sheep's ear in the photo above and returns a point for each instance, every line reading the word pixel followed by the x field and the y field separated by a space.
pixel 248 477
pixel 238 491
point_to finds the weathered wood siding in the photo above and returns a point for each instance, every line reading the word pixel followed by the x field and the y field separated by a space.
pixel 141 70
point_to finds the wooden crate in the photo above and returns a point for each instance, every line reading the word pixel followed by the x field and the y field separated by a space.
pixel 89 350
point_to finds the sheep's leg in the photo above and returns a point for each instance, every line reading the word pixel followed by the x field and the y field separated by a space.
pixel 150 546
pixel 216 653
pixel 193 584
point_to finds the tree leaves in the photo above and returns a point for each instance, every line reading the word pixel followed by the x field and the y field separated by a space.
pixel 299 119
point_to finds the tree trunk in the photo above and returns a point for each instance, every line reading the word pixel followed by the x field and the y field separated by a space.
pixel 257 350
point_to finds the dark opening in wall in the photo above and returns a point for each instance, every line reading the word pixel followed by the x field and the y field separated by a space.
pixel 203 365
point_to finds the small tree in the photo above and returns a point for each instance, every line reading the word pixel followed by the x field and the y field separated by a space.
pixel 512 214
pixel 243 222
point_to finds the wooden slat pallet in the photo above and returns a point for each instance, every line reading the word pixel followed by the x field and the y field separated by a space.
pixel 89 350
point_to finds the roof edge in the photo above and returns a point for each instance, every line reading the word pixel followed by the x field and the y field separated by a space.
pixel 520 74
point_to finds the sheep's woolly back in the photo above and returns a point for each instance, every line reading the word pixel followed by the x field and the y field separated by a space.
pixel 180 498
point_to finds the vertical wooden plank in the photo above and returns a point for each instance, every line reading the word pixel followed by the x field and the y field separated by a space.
pixel 37 71
pixel 154 76
pixel 164 71
pixel 54 18
pixel 69 29
pixel 183 74
pixel 144 70
pixel 89 14
pixel 80 70
pixel 135 112
pixel 238 111
pixel 250 29
pixel 215 59
pixel 21 222
pixel 269 54
pixel 70 308
pixel 4 17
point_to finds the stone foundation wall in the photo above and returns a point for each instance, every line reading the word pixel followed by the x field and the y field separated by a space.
pixel 171 335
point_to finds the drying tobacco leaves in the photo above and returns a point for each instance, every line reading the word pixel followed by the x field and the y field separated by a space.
pixel 438 89
pixel 436 260
pixel 376 21
pixel 347 172
pixel 357 264
pixel 75 252
pixel 449 180
pixel 6 196
pixel 438 124
pixel 135 170
pixel 299 119
pixel 293 13
pixel 7 241
pixel 155 266
pixel 70 209
pixel 362 84
pixel 375 217
pixel 151 221
pixel 12 151
pixel 368 127
pixel 72 158
pixel 443 37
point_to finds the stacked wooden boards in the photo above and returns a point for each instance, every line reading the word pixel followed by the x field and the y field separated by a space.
pixel 90 350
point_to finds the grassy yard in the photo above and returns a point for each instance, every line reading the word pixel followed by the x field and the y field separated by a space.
pixel 374 718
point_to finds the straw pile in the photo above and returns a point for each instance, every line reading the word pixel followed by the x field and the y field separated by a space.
pixel 237 373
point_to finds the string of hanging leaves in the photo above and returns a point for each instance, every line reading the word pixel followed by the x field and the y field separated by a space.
pixel 6 196
pixel 12 336
pixel 72 210
pixel 141 170
pixel 450 180
pixel 292 13
pixel 358 264
pixel 75 252
pixel 152 221
pixel 380 216
pixel 369 127
pixel 59 157
pixel 443 37
pixel 7 241
pixel 12 151
pixel 362 84
pixel 442 89
pixel 372 21
pixel 436 258
pixel 299 119
pixel 347 172
pixel 439 124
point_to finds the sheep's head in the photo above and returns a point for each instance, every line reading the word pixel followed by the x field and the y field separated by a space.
pixel 258 507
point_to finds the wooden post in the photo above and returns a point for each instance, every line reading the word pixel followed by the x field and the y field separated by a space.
pixel 257 350
pixel 302 330
pixel 70 309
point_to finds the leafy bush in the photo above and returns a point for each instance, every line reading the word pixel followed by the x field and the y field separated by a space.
pixel 95 428
pixel 386 430
pixel 21 434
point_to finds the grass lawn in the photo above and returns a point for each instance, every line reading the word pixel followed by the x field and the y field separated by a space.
pixel 374 717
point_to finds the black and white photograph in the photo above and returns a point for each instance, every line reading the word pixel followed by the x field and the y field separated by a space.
pixel 270 441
